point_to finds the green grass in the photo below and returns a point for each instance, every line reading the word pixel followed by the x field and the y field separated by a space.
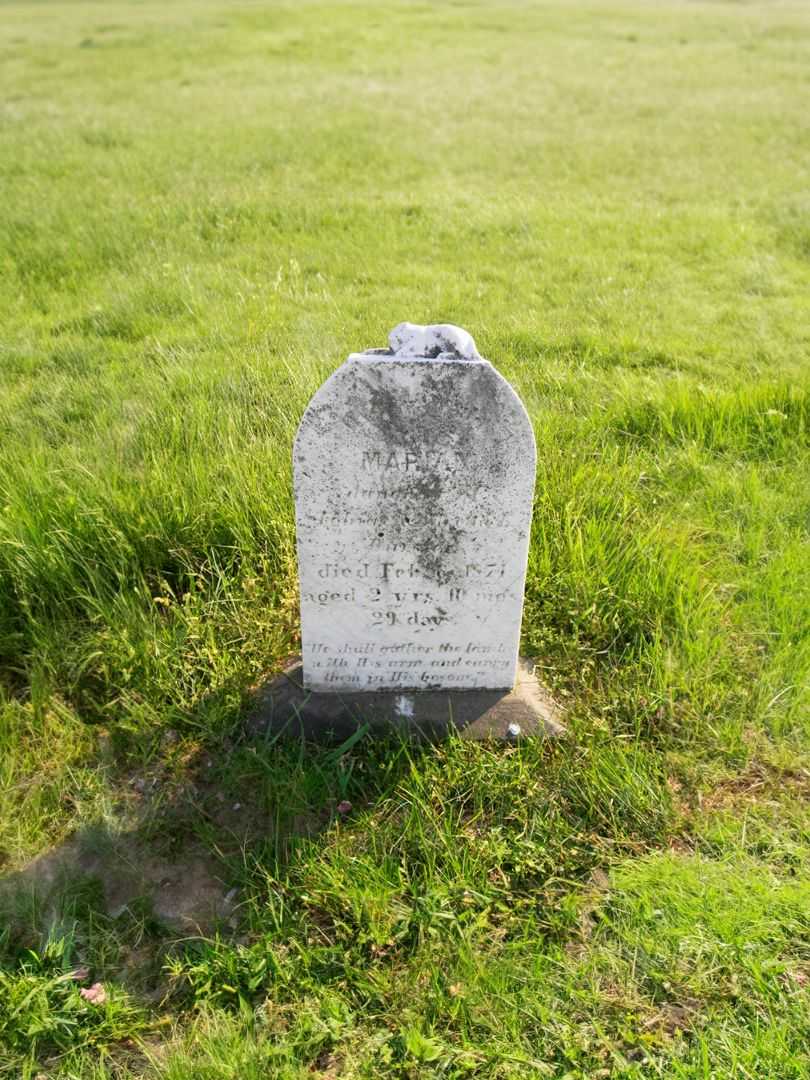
pixel 205 207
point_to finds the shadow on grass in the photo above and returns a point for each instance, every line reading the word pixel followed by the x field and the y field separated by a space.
pixel 224 862
pixel 183 834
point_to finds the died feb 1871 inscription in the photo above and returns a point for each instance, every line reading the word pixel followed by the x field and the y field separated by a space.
pixel 414 473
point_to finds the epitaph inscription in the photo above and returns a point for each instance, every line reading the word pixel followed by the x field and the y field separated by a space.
pixel 413 487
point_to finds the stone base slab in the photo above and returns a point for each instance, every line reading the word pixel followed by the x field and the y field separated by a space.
pixel 283 706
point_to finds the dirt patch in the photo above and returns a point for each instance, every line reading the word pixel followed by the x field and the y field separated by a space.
pixel 759 782
pixel 184 891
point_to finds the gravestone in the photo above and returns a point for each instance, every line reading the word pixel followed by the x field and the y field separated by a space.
pixel 414 472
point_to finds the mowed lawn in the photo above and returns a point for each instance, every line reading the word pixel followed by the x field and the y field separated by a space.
pixel 205 206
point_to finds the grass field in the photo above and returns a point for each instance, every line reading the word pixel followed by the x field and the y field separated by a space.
pixel 205 206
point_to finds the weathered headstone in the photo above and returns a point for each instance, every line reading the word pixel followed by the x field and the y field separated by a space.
pixel 414 472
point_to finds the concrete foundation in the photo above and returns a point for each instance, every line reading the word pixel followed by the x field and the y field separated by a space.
pixel 283 706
